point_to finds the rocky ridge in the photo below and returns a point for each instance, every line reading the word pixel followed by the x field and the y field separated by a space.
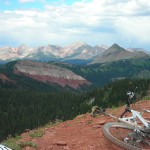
pixel 75 51
pixel 115 52
pixel 49 73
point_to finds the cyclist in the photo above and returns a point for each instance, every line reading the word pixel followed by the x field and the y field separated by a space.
pixel 129 101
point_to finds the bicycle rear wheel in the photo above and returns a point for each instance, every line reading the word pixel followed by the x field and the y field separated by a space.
pixel 120 134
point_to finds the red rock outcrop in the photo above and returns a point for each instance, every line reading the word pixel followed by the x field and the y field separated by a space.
pixel 49 73
pixel 5 79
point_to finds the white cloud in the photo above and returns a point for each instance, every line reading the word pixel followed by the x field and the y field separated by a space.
pixel 99 20
pixel 137 28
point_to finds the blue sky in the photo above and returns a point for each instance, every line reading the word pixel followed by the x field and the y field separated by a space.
pixel 33 4
pixel 63 22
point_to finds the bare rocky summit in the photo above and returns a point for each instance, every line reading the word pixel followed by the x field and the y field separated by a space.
pixel 115 52
pixel 49 73
pixel 75 51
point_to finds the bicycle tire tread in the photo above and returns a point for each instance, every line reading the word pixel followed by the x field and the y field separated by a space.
pixel 114 140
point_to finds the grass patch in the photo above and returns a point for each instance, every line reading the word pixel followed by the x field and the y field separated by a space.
pixel 12 143
pixel 37 134
pixel 89 122
pixel 58 121
pixel 25 144
pixel 53 123
pixel 146 98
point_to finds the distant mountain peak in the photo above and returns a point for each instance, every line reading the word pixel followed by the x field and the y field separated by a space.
pixel 78 44
pixel 23 46
pixel 115 52
pixel 115 48
pixel 115 44
pixel 75 51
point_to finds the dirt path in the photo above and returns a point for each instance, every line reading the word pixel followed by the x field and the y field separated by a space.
pixel 82 133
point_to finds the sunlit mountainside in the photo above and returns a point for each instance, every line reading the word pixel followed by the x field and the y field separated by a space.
pixel 72 53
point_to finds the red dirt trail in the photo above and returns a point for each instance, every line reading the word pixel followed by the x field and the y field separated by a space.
pixel 82 133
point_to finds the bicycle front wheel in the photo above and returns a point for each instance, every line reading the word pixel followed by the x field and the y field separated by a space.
pixel 123 135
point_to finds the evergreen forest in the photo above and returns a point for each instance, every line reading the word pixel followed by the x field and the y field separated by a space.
pixel 102 74
pixel 22 109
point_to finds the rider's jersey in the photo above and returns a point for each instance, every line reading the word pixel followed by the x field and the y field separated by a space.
pixel 130 97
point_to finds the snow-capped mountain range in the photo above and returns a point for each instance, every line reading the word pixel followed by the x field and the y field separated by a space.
pixel 79 50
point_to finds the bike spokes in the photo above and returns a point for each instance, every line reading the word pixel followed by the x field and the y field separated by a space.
pixel 131 137
pixel 120 133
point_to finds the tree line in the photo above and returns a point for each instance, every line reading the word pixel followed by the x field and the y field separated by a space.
pixel 27 109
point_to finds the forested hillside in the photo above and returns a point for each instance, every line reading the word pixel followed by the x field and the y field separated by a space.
pixel 114 94
pixel 26 109
pixel 97 75
pixel 10 77
pixel 102 74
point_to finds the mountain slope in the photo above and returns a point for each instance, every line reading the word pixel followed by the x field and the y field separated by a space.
pixel 81 51
pixel 23 73
pixel 48 74
pixel 102 73
pixel 77 50
pixel 83 132
pixel 115 52
pixel 36 108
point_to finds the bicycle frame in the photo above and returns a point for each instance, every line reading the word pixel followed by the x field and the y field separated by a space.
pixel 134 130
pixel 133 119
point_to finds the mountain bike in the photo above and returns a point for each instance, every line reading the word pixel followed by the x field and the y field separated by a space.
pixel 2 147
pixel 132 133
